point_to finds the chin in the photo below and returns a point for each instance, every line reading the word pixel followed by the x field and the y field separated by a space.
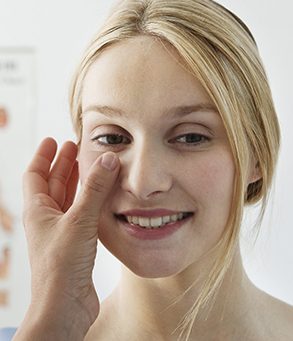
pixel 151 271
pixel 148 267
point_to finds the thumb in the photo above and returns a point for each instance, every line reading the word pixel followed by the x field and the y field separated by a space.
pixel 98 183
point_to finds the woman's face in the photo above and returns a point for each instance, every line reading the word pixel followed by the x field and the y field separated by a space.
pixel 174 155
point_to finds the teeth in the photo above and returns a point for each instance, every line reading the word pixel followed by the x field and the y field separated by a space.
pixel 143 221
pixel 166 219
pixel 174 217
pixel 134 220
pixel 154 222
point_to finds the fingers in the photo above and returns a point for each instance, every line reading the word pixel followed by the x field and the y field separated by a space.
pixel 99 182
pixel 58 182
pixel 71 187
pixel 36 175
pixel 61 173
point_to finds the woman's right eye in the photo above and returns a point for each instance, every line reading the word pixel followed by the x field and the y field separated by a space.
pixel 111 139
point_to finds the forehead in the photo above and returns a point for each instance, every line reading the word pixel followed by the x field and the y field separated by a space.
pixel 143 72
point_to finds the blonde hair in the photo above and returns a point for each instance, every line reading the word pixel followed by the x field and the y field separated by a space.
pixel 219 50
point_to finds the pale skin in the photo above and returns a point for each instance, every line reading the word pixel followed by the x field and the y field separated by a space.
pixel 165 159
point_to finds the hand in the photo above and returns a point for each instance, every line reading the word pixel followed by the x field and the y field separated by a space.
pixel 62 236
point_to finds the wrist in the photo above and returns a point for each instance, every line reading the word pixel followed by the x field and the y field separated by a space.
pixel 51 325
pixel 43 331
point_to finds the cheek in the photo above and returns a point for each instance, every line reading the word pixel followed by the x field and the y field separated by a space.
pixel 219 181
pixel 211 180
pixel 85 160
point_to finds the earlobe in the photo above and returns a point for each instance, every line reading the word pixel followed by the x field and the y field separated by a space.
pixel 255 174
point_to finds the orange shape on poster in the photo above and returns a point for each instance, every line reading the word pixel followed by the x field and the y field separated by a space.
pixel 3 117
pixel 4 298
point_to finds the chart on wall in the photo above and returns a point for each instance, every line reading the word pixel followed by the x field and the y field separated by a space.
pixel 17 110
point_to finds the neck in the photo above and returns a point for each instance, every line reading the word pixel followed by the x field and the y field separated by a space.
pixel 156 306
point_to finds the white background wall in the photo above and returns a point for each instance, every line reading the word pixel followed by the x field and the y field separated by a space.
pixel 59 31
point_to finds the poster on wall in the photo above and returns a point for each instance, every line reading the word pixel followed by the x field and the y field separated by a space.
pixel 17 111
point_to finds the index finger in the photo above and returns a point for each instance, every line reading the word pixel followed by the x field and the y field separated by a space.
pixel 35 179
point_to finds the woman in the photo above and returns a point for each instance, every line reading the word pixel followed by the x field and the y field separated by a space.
pixel 176 134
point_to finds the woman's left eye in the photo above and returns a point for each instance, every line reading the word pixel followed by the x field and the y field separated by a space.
pixel 192 139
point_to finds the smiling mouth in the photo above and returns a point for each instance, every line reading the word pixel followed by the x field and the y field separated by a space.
pixel 153 222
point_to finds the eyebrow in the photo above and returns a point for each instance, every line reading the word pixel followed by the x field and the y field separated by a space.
pixel 175 111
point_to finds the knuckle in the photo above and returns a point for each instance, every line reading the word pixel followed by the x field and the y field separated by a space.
pixel 59 178
pixel 95 184
pixel 32 172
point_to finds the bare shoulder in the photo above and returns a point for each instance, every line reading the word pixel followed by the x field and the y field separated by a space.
pixel 277 318
pixel 285 311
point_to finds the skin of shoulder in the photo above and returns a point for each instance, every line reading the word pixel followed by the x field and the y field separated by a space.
pixel 276 319
pixel 284 318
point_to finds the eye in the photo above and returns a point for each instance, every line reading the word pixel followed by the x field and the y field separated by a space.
pixel 111 139
pixel 192 139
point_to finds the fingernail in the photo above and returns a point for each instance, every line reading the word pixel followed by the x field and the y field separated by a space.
pixel 109 161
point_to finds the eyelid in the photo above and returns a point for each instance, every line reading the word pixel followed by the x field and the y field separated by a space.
pixel 108 129
pixel 196 128
pixel 203 139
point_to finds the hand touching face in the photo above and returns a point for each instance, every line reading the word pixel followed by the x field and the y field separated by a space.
pixel 62 237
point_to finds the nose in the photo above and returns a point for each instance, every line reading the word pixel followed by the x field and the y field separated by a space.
pixel 145 171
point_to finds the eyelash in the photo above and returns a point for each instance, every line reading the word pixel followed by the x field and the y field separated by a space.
pixel 203 139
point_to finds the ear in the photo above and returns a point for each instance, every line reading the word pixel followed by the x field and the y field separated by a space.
pixel 254 173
